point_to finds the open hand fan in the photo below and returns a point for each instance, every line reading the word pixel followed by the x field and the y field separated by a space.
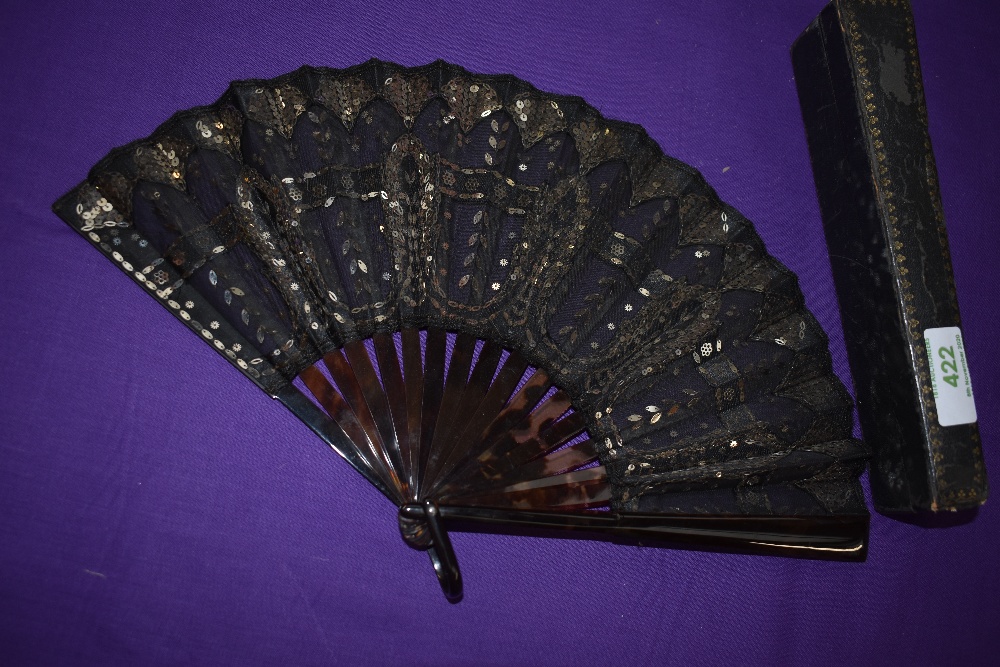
pixel 504 310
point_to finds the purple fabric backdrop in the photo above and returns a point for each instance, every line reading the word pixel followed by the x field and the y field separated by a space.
pixel 156 508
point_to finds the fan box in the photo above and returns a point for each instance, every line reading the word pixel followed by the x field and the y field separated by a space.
pixel 860 89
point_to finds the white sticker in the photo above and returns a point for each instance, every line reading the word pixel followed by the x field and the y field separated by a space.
pixel 950 376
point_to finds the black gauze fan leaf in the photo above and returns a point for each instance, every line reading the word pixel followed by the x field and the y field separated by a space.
pixel 506 311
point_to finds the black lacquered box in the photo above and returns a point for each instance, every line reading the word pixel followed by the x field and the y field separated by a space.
pixel 860 88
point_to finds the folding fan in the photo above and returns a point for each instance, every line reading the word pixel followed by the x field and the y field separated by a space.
pixel 505 311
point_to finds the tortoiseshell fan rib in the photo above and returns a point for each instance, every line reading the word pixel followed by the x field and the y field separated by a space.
pixel 493 443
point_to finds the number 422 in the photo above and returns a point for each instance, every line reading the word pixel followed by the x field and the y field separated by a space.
pixel 947 355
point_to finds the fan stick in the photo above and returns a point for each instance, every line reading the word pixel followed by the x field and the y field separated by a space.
pixel 551 439
pixel 458 374
pixel 376 403
pixel 555 463
pixel 434 369
pixel 496 398
pixel 494 462
pixel 395 396
pixel 520 404
pixel 333 435
pixel 518 407
pixel 346 419
pixel 347 383
pixel 472 396
pixel 498 395
pixel 529 427
pixel 826 537
pixel 413 377
pixel 558 462
pixel 579 490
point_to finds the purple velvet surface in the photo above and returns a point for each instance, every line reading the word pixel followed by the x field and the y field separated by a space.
pixel 156 508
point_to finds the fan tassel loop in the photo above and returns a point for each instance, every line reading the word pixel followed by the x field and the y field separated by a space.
pixel 421 527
